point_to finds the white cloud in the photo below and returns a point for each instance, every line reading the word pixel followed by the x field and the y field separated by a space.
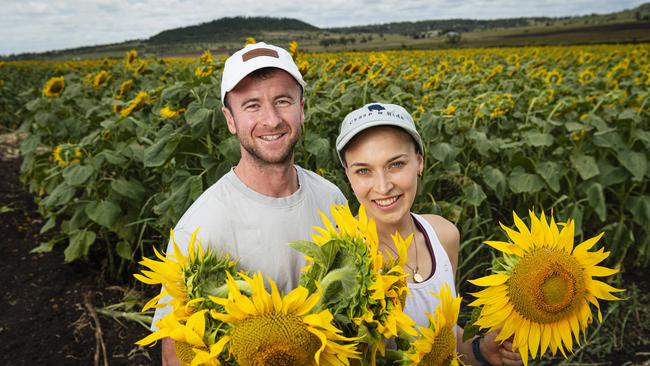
pixel 40 25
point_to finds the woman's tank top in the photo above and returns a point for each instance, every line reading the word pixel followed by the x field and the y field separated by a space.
pixel 420 300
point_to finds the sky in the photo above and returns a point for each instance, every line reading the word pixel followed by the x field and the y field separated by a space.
pixel 42 25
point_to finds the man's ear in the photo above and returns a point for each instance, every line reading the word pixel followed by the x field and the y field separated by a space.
pixel 230 120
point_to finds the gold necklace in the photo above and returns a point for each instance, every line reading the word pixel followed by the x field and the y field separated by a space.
pixel 417 277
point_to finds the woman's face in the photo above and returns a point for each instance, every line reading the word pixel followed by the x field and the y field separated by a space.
pixel 382 166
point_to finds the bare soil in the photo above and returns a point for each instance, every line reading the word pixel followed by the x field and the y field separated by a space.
pixel 48 309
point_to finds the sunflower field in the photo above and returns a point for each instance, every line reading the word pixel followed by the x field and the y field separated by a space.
pixel 116 150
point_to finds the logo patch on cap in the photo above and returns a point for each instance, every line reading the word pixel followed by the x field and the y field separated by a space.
pixel 376 107
pixel 259 52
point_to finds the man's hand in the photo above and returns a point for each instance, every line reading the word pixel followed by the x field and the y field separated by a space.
pixel 169 353
pixel 499 354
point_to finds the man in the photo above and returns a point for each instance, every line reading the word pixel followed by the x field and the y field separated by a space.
pixel 265 201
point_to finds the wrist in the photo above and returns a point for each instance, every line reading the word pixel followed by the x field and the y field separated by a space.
pixel 476 350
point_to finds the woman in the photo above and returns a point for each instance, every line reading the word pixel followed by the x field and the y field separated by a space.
pixel 382 154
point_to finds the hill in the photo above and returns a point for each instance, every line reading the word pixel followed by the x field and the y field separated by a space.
pixel 230 29
pixel 225 35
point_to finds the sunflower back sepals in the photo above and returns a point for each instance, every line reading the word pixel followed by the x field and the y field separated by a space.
pixel 195 283
pixel 542 288
pixel 364 292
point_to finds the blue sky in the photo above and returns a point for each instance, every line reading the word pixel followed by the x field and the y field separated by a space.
pixel 41 25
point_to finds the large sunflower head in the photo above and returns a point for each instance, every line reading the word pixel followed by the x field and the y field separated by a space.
pixel 54 87
pixel 268 329
pixel 542 287
pixel 436 345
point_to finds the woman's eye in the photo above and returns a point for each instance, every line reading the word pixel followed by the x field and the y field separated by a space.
pixel 363 171
pixel 397 164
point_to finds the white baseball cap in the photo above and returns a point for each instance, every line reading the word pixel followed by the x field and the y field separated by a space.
pixel 254 57
pixel 372 115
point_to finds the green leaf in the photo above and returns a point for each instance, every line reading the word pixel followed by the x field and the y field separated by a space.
pixel 538 139
pixel 339 284
pixel 77 174
pixel 113 157
pixel 550 172
pixel 80 242
pixel 318 146
pixel 474 194
pixel 496 180
pixel 634 162
pixel 128 188
pixel 442 152
pixel 229 148
pixel 640 209
pixel 103 212
pixel 61 195
pixel 596 200
pixel 585 165
pixel 123 249
pixel 44 247
pixel 525 182
pixel 158 153
pixel 49 224
pixel 197 116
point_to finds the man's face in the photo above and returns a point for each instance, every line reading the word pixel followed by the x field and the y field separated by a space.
pixel 266 114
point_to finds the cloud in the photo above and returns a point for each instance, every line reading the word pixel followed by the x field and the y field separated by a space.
pixel 40 25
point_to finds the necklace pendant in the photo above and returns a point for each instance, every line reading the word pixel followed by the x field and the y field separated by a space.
pixel 417 277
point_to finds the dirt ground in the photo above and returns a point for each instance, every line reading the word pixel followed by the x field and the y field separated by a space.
pixel 48 309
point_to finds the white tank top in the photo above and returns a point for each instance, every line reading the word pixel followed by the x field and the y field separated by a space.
pixel 421 301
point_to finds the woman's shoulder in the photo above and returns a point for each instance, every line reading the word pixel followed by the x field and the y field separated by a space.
pixel 445 229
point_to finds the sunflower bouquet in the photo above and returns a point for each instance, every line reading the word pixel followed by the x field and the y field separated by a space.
pixel 541 288
pixel 222 316
pixel 364 291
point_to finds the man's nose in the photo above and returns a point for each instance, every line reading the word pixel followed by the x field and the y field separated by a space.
pixel 270 116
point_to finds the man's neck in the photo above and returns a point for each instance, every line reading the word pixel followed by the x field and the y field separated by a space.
pixel 278 180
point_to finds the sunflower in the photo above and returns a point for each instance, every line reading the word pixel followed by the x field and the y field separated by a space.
pixel 267 329
pixel 436 345
pixel 54 87
pixel 553 77
pixel 188 280
pixel 203 71
pixel 123 89
pixel 586 76
pixel 206 58
pixel 130 58
pixel 135 104
pixel 542 288
pixel 66 154
pixel 365 291
pixel 293 49
pixel 99 78
pixel 169 112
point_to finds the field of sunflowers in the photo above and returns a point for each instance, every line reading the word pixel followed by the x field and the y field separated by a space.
pixel 117 149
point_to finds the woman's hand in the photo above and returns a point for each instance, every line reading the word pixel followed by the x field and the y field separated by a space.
pixel 498 354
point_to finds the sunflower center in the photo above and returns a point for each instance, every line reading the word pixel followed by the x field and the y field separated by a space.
pixel 546 285
pixel 184 352
pixel 443 349
pixel 273 339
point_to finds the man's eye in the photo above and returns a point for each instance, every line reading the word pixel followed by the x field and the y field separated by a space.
pixel 283 102
pixel 251 107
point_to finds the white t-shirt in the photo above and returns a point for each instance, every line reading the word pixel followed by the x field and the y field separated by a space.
pixel 256 229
